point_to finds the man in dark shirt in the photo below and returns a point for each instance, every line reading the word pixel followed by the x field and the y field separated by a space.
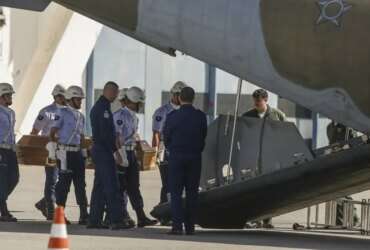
pixel 184 137
pixel 106 188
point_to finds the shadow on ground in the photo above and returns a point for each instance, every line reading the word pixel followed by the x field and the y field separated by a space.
pixel 273 238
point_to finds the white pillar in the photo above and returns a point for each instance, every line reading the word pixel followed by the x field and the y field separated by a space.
pixel 51 27
pixel 67 65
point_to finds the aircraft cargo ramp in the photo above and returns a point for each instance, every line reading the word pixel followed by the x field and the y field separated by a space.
pixel 273 172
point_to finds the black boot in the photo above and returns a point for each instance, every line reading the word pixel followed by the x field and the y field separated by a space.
pixel 41 206
pixel 96 226
pixel 143 220
pixel 166 222
pixel 106 220
pixel 50 212
pixel 84 216
pixel 120 226
pixel 68 222
pixel 6 216
pixel 175 232
pixel 127 219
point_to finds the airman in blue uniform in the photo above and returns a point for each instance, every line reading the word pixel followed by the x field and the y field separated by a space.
pixel 9 171
pixel 122 173
pixel 67 135
pixel 184 136
pixel 159 119
pixel 126 123
pixel 106 190
pixel 42 125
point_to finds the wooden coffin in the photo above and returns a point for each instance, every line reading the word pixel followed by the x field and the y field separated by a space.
pixel 146 156
pixel 31 150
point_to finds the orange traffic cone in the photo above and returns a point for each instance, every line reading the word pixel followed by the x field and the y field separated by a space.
pixel 58 235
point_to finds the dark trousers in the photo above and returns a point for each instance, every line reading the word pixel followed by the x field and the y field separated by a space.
pixel 51 178
pixel 132 182
pixel 163 170
pixel 9 174
pixel 106 190
pixel 75 164
pixel 122 178
pixel 122 187
pixel 184 173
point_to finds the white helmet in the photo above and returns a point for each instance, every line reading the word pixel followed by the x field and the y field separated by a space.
pixel 122 94
pixel 6 88
pixel 74 91
pixel 135 95
pixel 177 87
pixel 59 90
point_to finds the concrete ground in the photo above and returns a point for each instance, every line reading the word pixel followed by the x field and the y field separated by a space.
pixel 32 232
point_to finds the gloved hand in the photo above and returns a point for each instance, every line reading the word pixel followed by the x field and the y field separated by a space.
pixel 84 152
pixel 51 147
pixel 118 158
pixel 157 156
pixel 137 137
pixel 123 154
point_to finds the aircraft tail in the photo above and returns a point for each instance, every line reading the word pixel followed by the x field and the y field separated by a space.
pixel 36 5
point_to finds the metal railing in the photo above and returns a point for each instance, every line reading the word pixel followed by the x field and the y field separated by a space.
pixel 348 222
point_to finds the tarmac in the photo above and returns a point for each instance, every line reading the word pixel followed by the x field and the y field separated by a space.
pixel 32 231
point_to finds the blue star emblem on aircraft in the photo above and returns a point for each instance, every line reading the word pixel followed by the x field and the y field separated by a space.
pixel 332 11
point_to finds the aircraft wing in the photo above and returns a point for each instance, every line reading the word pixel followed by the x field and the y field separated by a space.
pixel 35 5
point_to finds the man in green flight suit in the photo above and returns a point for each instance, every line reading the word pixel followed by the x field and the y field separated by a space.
pixel 263 111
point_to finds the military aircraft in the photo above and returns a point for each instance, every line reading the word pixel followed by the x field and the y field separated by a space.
pixel 313 52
